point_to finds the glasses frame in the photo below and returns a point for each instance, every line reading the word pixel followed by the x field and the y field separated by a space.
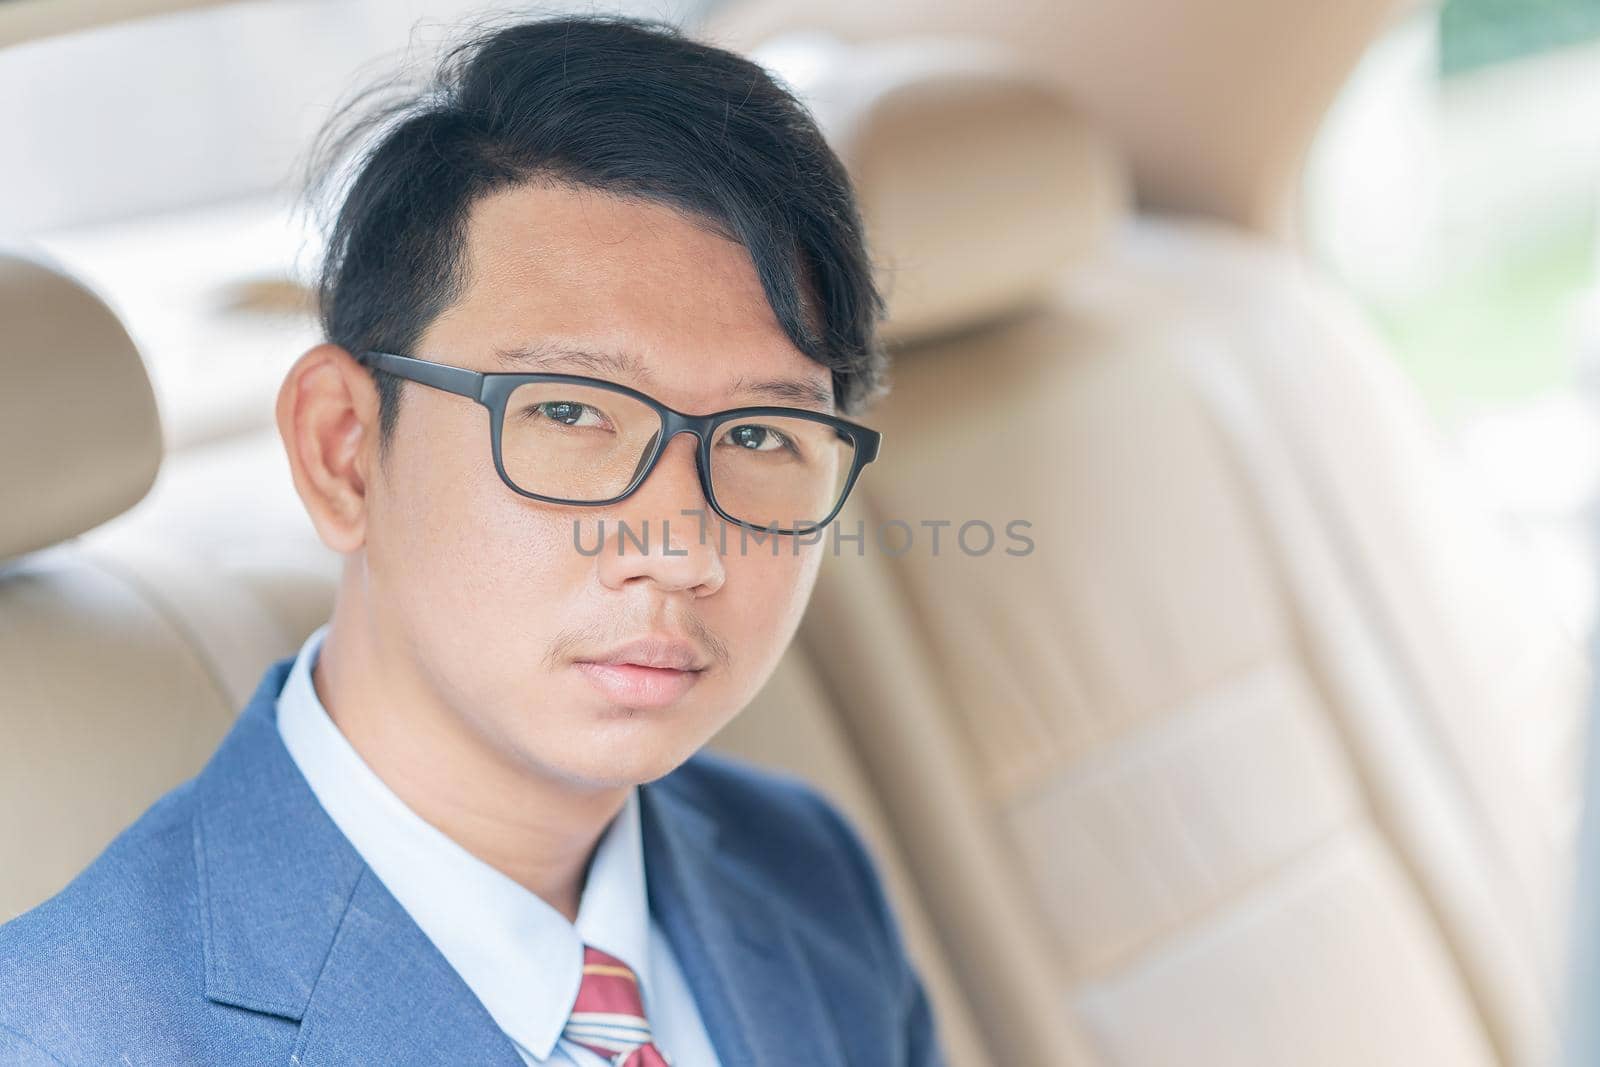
pixel 493 390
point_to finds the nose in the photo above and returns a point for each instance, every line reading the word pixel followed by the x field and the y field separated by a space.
pixel 661 534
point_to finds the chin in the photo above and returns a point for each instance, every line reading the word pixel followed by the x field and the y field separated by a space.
pixel 597 743
pixel 620 761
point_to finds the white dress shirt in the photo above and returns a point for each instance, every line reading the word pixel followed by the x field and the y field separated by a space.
pixel 518 955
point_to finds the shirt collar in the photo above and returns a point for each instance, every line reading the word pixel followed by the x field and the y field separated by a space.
pixel 520 956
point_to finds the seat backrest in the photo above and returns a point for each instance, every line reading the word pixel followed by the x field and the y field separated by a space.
pixel 107 695
pixel 1255 751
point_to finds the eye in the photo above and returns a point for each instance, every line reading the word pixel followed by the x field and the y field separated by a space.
pixel 564 412
pixel 756 438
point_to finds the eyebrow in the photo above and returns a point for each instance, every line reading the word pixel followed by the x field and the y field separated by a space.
pixel 629 367
pixel 549 356
pixel 789 390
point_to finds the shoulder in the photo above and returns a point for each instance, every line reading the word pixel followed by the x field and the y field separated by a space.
pixel 780 822
pixel 796 844
pixel 119 937
pixel 794 848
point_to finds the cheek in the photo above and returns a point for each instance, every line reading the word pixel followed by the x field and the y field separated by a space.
pixel 760 606
pixel 478 574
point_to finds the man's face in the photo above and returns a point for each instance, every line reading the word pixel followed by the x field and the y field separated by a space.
pixel 487 592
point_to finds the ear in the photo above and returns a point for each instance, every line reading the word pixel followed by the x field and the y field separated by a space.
pixel 327 416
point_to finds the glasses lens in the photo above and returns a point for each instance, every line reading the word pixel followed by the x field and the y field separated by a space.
pixel 778 471
pixel 575 442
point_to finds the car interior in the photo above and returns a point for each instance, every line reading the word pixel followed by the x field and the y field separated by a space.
pixel 1264 752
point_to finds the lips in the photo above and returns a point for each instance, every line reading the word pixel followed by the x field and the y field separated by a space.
pixel 648 673
pixel 662 652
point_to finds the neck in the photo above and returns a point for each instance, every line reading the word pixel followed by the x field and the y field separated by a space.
pixel 537 830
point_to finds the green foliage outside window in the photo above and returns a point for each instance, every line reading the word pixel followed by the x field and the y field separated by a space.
pixel 1477 33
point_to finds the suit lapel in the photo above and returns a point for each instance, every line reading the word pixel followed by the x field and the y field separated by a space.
pixel 386 995
pixel 293 923
pixel 752 982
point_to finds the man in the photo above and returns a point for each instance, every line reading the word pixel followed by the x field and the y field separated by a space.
pixel 467 823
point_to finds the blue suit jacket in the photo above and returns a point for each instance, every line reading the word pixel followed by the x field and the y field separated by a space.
pixel 234 924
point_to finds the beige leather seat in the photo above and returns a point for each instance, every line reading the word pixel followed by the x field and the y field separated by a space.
pixel 1262 755
pixel 1258 757
pixel 119 668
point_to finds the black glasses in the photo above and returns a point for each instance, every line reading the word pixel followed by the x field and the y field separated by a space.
pixel 566 439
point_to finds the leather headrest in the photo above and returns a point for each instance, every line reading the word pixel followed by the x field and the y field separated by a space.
pixel 80 438
pixel 979 185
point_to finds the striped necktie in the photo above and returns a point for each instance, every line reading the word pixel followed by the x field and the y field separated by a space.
pixel 608 1018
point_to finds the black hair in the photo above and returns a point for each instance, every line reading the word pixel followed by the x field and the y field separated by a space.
pixel 627 106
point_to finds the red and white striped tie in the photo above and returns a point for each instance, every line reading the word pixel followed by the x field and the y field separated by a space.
pixel 608 1018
